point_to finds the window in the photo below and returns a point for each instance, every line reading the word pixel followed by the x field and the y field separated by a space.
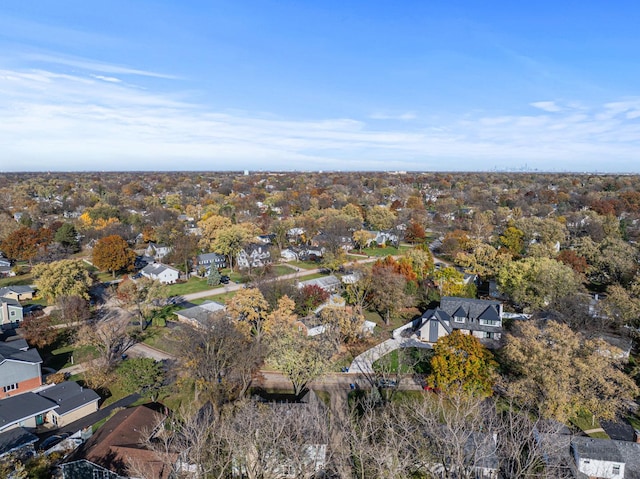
pixel 616 469
pixel 13 313
pixel 458 319
pixel 10 387
pixel 490 322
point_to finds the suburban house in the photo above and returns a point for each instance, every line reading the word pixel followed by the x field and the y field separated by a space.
pixel 19 293
pixel 19 368
pixel 160 272
pixel 288 254
pixel 117 446
pixel 383 238
pixel 27 410
pixel 328 283
pixel 481 318
pixel 586 457
pixel 11 313
pixel 198 315
pixel 74 402
pixel 157 251
pixel 206 260
pixel 253 256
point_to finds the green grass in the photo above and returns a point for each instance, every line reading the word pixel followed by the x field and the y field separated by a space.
pixel 306 264
pixel 413 360
pixel 634 420
pixel 584 421
pixel 194 285
pixel 312 276
pixel 382 252
pixel 19 280
pixel 160 338
pixel 281 269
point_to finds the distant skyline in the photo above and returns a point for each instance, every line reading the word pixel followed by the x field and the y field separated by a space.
pixel 305 85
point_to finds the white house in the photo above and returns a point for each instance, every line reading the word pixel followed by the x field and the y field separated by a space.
pixel 161 272
pixel 157 251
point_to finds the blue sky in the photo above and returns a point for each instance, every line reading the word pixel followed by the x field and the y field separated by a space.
pixel 308 85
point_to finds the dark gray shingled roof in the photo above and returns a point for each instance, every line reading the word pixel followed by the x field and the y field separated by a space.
pixel 473 307
pixel 15 350
pixel 17 408
pixel 611 451
pixel 69 395
pixel 15 439
pixel 16 289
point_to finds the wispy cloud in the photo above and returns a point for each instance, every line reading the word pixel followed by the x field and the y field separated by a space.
pixel 94 66
pixel 406 116
pixel 90 122
pixel 548 106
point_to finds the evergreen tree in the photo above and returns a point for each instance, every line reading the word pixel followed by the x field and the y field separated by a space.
pixel 213 279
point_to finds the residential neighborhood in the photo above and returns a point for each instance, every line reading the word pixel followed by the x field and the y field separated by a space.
pixel 155 347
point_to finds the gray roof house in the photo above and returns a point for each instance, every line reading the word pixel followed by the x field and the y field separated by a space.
pixel 481 318
pixel 160 272
pixel 206 260
pixel 74 402
pixel 19 293
pixel 11 313
pixel 198 315
pixel 605 458
pixel 27 410
pixel 19 368
pixel 328 283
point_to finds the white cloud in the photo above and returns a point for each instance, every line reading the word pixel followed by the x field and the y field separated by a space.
pixel 406 116
pixel 548 106
pixel 107 79
pixel 81 122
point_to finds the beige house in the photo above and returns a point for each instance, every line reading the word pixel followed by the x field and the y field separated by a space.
pixel 74 402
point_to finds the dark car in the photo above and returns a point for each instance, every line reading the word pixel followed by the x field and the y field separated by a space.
pixel 225 279
pixel 52 441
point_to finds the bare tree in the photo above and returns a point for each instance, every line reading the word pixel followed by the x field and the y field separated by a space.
pixel 110 337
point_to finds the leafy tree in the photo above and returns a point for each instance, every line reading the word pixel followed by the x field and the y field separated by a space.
pixel 484 260
pixel 249 307
pixel 62 278
pixel 282 317
pixel 23 244
pixel 535 282
pixel 7 226
pixel 219 357
pixel 144 295
pixel 230 241
pixel 421 261
pixel 415 233
pixel 309 297
pixel 214 276
pixel 67 236
pixel 300 358
pixel 380 218
pixel 362 238
pixel 387 293
pixel 461 362
pixel 450 282
pixel 113 254
pixel 512 239
pixel 210 228
pixel 141 374
pixel 558 372
pixel 38 331
pixel 455 242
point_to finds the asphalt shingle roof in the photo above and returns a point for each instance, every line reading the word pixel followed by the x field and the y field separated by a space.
pixel 69 395
pixel 17 408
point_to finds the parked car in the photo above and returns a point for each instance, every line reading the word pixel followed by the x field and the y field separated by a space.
pixel 224 279
pixel 387 383
pixel 52 441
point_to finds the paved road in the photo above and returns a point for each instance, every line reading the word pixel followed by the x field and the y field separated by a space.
pixel 142 350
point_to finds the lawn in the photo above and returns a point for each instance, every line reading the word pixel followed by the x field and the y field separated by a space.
pixel 306 264
pixel 584 421
pixel 382 252
pixel 194 285
pixel 160 338
pixel 413 360
pixel 20 280
pixel 282 269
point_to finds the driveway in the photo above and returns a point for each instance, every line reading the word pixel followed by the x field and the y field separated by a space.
pixel 363 363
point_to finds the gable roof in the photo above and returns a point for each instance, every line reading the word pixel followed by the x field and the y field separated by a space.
pixel 436 315
pixel 155 269
pixel 23 406
pixel 69 395
pixel 200 313
pixel 10 302
pixel 118 442
pixel 16 290
pixel 16 351
pixel 473 307
pixel 490 314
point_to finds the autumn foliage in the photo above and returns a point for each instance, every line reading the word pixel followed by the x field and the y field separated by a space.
pixel 113 254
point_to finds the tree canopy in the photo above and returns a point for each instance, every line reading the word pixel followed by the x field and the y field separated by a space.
pixel 113 254
pixel 461 363
pixel 62 278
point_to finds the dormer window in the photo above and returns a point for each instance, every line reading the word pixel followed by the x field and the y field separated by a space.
pixel 459 319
